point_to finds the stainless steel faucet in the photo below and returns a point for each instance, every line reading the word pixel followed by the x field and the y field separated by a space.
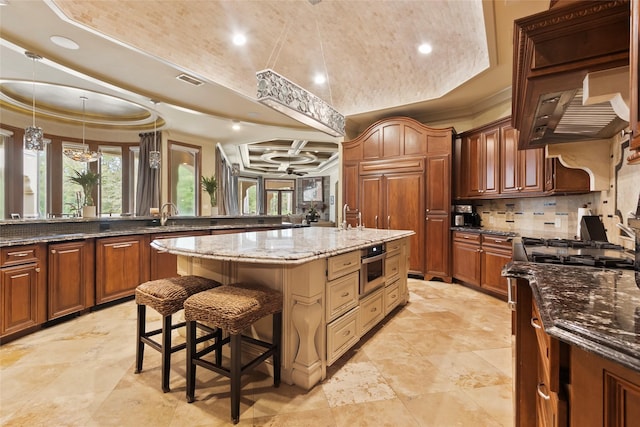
pixel 345 208
pixel 164 216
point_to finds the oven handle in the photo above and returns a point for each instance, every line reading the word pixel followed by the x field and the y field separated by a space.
pixel 368 260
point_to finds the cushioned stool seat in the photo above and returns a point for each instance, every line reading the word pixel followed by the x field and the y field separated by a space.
pixel 166 296
pixel 232 308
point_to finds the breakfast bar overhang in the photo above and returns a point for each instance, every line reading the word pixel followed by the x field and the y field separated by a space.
pixel 318 270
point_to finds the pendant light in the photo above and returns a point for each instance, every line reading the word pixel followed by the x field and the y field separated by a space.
pixel 154 154
pixel 33 136
pixel 84 154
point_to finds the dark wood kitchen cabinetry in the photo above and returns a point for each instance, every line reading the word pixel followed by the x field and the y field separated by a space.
pixel 521 171
pixel 480 162
pixel 397 174
pixel 478 260
pixel 563 180
pixel 122 263
pixel 163 264
pixel 71 277
pixel 23 288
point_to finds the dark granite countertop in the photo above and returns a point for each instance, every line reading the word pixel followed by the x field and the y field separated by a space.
pixel 595 309
pixel 482 230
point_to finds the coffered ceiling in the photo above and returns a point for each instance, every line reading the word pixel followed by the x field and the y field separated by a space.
pixel 130 53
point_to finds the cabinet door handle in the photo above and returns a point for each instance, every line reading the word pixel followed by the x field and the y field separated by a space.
pixel 541 393
pixel 534 324
pixel 346 264
pixel 160 251
pixel 37 269
pixel 376 220
pixel 18 254
pixel 389 222
pixel 53 251
pixel 344 295
pixel 123 245
pixel 374 309
pixel 346 333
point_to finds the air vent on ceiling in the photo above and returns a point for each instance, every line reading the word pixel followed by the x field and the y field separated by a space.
pixel 190 79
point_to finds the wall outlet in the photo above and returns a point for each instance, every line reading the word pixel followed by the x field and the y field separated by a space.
pixel 558 222
pixel 491 220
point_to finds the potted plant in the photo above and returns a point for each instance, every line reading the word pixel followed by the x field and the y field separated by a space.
pixel 88 180
pixel 210 185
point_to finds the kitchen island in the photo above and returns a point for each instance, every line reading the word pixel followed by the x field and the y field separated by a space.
pixel 318 272
pixel 577 333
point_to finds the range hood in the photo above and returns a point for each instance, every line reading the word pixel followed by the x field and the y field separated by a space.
pixel 571 73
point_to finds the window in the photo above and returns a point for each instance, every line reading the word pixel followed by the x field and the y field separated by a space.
pixel 72 195
pixel 279 196
pixel 2 171
pixel 247 196
pixel 110 180
pixel 184 176
pixel 34 196
pixel 134 160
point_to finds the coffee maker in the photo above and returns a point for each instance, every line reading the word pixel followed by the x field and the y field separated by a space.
pixel 465 216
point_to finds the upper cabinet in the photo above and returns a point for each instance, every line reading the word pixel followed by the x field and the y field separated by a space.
pixel 555 51
pixel 489 165
pixel 634 77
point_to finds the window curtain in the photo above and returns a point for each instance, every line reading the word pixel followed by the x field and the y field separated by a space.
pixel 148 188
pixel 228 186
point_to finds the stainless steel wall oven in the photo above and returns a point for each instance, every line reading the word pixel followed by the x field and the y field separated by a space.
pixel 372 268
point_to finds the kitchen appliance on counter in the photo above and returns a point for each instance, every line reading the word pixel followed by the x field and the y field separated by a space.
pixel 465 216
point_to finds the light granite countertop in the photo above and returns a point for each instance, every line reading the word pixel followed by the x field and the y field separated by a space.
pixel 290 246
pixel 595 309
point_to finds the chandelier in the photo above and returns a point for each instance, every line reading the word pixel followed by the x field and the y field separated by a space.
pixel 296 102
pixel 154 155
pixel 33 136
pixel 82 154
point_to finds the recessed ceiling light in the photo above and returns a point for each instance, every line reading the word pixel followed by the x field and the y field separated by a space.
pixel 235 125
pixel 4 2
pixel 239 39
pixel 319 79
pixel 64 42
pixel 425 48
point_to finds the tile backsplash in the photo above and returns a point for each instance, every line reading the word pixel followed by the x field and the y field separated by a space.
pixel 555 214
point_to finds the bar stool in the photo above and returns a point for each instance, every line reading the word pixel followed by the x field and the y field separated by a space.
pixel 232 308
pixel 167 297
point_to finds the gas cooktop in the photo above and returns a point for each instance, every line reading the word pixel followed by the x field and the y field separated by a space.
pixel 576 253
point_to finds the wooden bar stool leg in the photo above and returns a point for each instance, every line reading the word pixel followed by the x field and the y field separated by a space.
pixel 140 331
pixel 191 366
pixel 166 352
pixel 277 339
pixel 236 374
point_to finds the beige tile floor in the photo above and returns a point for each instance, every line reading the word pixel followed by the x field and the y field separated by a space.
pixel 442 360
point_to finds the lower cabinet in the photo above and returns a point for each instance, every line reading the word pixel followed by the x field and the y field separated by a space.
pixel 478 260
pixel 71 277
pixel 122 263
pixel 371 310
pixel 163 264
pixel 22 288
pixel 437 246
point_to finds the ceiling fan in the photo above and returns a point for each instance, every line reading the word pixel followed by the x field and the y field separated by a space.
pixel 291 171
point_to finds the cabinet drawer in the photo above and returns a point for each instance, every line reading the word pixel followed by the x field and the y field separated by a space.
pixel 371 311
pixel 19 255
pixel 551 409
pixel 393 248
pixel 342 334
pixel 549 353
pixel 391 296
pixel 392 268
pixel 341 265
pixel 342 295
pixel 503 242
pixel 466 237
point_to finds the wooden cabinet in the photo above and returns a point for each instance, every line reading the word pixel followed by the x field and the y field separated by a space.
pixel 397 174
pixel 371 311
pixel 478 260
pixel 22 289
pixel 122 263
pixel 466 257
pixel 522 171
pixel 163 264
pixel 634 86
pixel 480 162
pixel 495 252
pixel 563 180
pixel 71 277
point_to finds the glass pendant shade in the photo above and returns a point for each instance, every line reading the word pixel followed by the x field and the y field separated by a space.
pixel 154 159
pixel 83 154
pixel 33 135
pixel 290 99
pixel 33 138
